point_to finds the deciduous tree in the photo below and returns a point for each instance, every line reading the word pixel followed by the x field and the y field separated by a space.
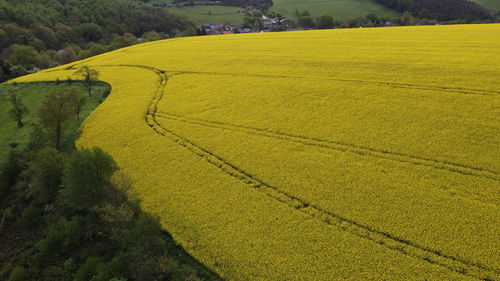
pixel 56 109
pixel 325 22
pixel 23 55
pixel 79 101
pixel 87 178
pixel 89 76
pixel 18 110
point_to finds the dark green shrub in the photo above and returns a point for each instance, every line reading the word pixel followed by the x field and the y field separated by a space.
pixel 30 214
pixel 88 269
pixel 5 271
pixel 19 273
pixel 87 179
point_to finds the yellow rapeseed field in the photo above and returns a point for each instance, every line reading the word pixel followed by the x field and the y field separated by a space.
pixel 356 154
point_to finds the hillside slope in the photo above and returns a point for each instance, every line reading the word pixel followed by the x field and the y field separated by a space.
pixel 117 16
pixel 46 33
pixel 351 154
pixel 493 5
pixel 211 14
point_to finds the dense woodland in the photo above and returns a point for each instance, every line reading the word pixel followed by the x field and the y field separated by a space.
pixel 45 33
pixel 442 10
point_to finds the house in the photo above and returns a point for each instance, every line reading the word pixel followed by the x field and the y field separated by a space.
pixel 242 30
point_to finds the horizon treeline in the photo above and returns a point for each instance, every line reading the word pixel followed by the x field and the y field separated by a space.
pixel 442 10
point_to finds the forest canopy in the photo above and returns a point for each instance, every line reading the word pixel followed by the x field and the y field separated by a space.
pixel 45 33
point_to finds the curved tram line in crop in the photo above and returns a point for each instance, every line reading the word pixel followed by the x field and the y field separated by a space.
pixel 401 245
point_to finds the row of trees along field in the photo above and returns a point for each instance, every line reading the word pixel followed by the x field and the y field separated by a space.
pixel 46 33
pixel 65 214
pixel 305 20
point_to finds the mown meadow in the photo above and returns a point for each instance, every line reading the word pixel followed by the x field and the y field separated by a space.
pixel 490 4
pixel 338 9
pixel 354 154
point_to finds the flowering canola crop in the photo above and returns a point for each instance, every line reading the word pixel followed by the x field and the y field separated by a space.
pixel 356 154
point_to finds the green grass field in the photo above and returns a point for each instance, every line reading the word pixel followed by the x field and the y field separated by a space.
pixel 493 5
pixel 211 14
pixel 338 9
pixel 33 95
pixel 160 1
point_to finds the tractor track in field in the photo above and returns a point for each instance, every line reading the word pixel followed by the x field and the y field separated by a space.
pixel 340 146
pixel 387 240
pixel 456 90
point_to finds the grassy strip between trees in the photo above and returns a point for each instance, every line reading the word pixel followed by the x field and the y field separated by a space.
pixel 65 214
pixel 32 95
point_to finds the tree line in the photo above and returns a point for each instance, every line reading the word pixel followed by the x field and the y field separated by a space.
pixel 304 19
pixel 46 33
